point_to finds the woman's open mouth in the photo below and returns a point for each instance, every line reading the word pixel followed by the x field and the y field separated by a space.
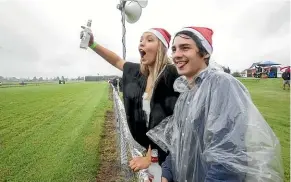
pixel 142 53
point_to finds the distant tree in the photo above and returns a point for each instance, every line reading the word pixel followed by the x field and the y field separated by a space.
pixel 40 79
pixel 34 78
pixel 80 78
pixel 236 74
pixel 58 78
pixel 226 69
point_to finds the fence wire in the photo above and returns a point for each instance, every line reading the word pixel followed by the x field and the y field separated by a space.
pixel 127 146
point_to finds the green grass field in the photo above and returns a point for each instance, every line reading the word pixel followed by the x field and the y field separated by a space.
pixel 51 132
pixel 274 104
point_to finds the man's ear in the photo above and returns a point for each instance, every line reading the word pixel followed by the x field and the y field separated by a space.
pixel 206 56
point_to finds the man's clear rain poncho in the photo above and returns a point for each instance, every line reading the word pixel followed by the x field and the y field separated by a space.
pixel 217 133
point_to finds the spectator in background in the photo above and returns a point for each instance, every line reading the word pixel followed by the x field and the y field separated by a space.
pixel 286 78
pixel 120 84
pixel 115 83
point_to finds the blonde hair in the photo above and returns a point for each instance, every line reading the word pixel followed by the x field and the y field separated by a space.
pixel 162 59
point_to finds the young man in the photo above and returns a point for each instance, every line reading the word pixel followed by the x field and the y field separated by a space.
pixel 216 132
pixel 286 78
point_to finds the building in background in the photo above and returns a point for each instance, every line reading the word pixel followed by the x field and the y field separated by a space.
pixel 268 69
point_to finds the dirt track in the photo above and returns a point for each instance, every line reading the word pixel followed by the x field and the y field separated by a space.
pixel 108 170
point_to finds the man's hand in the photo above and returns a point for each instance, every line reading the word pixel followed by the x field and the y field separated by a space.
pixel 164 179
pixel 139 163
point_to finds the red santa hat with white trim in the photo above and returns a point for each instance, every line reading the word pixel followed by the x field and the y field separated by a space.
pixel 162 34
pixel 204 34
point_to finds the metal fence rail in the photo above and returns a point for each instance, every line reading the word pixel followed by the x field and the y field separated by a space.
pixel 127 146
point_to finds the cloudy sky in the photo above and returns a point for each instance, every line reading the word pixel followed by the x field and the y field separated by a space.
pixel 41 37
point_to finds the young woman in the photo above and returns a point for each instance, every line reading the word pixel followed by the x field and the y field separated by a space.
pixel 148 91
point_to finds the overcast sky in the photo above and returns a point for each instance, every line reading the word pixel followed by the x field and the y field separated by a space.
pixel 41 37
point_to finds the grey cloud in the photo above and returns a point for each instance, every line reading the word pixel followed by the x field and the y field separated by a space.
pixel 41 38
pixel 263 19
pixel 260 32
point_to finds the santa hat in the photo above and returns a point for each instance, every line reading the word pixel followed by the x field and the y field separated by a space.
pixel 204 34
pixel 162 34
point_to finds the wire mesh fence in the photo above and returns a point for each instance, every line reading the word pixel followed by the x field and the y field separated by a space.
pixel 127 146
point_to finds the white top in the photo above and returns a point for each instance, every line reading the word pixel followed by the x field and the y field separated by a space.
pixel 146 107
